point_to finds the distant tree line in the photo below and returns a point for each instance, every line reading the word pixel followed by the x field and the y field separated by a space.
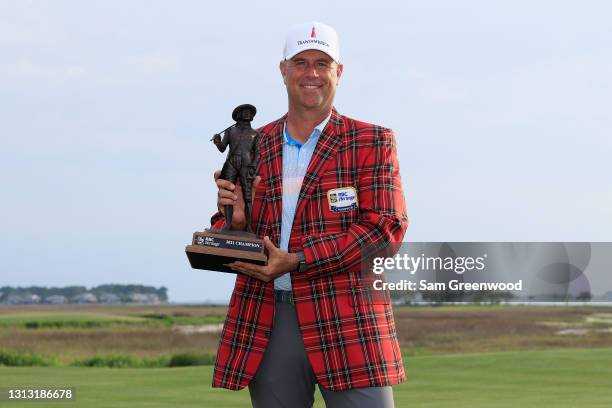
pixel 489 296
pixel 80 294
pixel 447 296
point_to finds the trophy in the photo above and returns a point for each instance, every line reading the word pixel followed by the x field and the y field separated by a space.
pixel 213 249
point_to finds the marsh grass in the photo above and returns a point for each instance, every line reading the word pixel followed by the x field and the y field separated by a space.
pixel 175 319
pixel 123 361
pixel 94 321
pixel 26 359
pixel 148 332
pixel 29 359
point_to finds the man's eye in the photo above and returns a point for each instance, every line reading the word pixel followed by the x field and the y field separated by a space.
pixel 322 64
pixel 300 64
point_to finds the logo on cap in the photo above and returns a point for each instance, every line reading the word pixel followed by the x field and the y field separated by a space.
pixel 322 37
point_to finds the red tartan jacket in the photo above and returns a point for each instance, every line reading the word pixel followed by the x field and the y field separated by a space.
pixel 351 341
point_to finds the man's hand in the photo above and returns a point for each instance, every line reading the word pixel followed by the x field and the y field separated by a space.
pixel 230 194
pixel 216 139
pixel 279 263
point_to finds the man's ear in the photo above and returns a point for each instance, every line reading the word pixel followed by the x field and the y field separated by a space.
pixel 339 71
pixel 283 69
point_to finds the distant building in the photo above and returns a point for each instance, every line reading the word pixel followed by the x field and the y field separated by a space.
pixel 109 298
pixel 22 299
pixel 56 300
pixel 144 298
pixel 606 297
pixel 82 298
pixel 14 300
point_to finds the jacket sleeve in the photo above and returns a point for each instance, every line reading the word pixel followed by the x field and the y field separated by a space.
pixel 382 221
pixel 217 220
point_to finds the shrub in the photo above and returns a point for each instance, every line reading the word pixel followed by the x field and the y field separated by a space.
pixel 191 359
pixel 25 359
pixel 122 361
pixel 184 319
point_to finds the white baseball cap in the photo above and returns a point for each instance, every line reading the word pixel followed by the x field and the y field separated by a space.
pixel 312 36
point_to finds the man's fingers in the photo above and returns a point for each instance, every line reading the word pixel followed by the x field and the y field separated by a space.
pixel 225 196
pixel 242 268
pixel 250 267
pixel 256 182
pixel 225 184
pixel 269 245
pixel 217 174
pixel 226 201
pixel 233 267
pixel 222 193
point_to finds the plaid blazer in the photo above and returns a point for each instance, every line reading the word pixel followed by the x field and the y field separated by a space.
pixel 351 341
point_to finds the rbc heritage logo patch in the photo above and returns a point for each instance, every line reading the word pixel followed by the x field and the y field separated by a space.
pixel 342 199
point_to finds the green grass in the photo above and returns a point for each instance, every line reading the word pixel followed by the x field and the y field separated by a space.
pixel 180 319
pixel 538 379
pixel 26 359
pixel 29 359
pixel 96 320
pixel 57 321
pixel 123 361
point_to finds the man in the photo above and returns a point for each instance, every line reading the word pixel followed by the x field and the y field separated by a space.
pixel 328 193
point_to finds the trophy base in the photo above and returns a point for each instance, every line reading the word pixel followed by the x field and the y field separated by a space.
pixel 212 249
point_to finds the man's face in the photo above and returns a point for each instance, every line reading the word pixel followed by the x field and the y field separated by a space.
pixel 311 78
pixel 246 115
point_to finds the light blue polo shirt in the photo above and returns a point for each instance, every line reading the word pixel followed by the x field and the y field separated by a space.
pixel 296 157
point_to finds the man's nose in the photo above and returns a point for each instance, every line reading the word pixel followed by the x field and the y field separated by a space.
pixel 312 70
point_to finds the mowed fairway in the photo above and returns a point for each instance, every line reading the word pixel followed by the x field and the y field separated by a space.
pixel 564 378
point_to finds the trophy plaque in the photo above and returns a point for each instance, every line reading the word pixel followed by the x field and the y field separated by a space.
pixel 213 249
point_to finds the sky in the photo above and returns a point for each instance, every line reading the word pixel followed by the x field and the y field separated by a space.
pixel 501 112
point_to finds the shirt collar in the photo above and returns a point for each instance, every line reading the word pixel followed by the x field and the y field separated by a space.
pixel 287 139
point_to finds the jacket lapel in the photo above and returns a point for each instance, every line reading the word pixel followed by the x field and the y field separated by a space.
pixel 326 150
pixel 272 159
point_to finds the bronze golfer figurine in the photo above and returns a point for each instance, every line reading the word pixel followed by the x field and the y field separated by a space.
pixel 242 158
pixel 212 249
